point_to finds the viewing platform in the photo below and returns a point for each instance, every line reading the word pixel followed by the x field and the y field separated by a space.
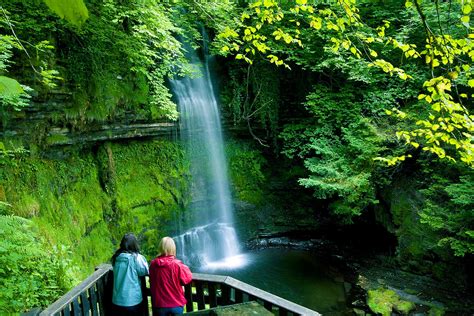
pixel 204 294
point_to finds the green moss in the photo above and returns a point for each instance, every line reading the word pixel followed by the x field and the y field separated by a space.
pixel 436 311
pixel 151 181
pixel 28 206
pixel 57 139
pixel 245 168
pixel 64 199
pixel 404 307
pixel 81 206
pixel 383 301
pixel 93 249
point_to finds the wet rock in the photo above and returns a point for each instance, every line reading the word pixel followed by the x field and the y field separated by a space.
pixel 347 287
pixel 44 122
pixel 266 240
pixel 358 312
pixel 358 303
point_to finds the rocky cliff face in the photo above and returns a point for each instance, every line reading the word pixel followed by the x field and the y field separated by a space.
pixel 84 183
pixel 84 202
pixel 54 121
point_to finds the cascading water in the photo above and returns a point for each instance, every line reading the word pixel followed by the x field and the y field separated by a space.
pixel 211 243
pixel 212 240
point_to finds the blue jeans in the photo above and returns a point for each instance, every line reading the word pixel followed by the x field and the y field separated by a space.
pixel 168 311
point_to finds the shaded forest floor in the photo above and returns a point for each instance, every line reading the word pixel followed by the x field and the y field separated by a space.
pixel 424 291
pixel 365 270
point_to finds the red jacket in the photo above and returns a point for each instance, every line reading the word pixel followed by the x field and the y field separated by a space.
pixel 167 276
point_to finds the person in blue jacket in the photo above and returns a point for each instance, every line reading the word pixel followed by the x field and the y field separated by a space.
pixel 129 265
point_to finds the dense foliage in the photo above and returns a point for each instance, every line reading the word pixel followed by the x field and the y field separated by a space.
pixel 369 102
pixel 356 117
pixel 116 61
pixel 81 206
pixel 31 274
pixel 449 208
pixel 266 26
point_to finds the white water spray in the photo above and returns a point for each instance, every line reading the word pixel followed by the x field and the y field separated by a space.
pixel 212 241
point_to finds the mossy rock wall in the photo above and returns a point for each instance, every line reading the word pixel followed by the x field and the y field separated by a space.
pixel 151 190
pixel 266 196
pixel 84 203
pixel 417 249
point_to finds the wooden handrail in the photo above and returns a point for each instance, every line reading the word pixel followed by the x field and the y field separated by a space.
pixel 206 291
pixel 71 297
pixel 254 291
pixel 234 291
pixel 269 297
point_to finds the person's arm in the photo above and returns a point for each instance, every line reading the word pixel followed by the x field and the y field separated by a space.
pixel 185 275
pixel 142 265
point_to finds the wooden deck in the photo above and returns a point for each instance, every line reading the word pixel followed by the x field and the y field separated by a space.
pixel 93 296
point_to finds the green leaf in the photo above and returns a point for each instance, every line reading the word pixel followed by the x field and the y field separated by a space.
pixel 10 87
pixel 436 107
pixel 73 11
pixel 466 9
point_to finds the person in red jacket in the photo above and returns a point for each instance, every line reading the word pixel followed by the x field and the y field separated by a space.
pixel 167 277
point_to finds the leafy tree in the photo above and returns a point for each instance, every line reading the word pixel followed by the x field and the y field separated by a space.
pixel 448 210
pixel 31 275
pixel 14 95
pixel 338 148
pixel 356 115
pixel 267 26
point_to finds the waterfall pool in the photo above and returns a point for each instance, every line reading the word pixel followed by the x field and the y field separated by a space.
pixel 298 276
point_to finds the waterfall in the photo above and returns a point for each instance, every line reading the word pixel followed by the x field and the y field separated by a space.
pixel 211 240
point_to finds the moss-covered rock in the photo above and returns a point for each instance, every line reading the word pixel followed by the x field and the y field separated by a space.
pixel 65 201
pixel 267 198
pixel 417 249
pixel 151 185
pixel 384 301
pixel 84 203
pixel 246 172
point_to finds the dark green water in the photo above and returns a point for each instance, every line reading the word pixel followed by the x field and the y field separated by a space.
pixel 298 276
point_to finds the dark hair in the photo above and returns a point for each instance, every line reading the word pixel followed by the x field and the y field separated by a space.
pixel 129 244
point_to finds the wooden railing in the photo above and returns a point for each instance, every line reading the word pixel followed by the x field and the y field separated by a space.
pixel 207 291
pixel 93 296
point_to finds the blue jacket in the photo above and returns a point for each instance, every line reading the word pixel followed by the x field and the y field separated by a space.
pixel 127 270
